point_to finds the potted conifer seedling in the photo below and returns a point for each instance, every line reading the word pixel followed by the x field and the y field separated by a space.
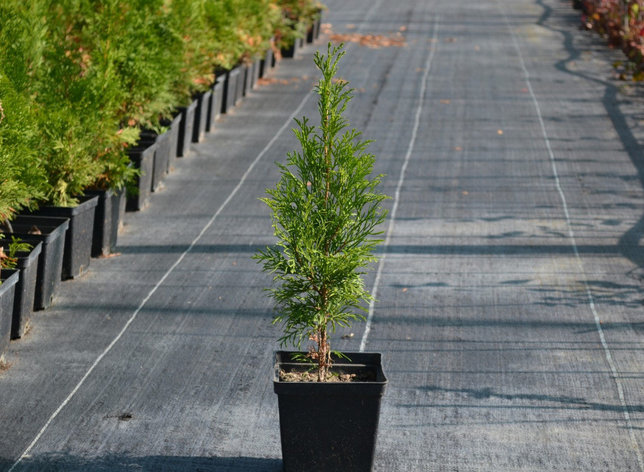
pixel 326 212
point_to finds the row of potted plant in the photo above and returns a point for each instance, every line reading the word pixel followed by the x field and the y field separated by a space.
pixel 80 80
pixel 622 23
pixel 66 182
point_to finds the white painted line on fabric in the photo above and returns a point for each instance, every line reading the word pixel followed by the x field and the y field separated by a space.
pixel 571 236
pixel 212 220
pixel 401 181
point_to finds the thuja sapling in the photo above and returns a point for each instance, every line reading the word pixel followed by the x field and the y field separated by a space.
pixel 325 211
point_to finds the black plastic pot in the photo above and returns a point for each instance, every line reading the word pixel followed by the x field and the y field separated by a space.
pixel 7 290
pixel 257 70
pixel 173 136
pixel 161 156
pixel 214 106
pixel 78 239
pixel 310 33
pixel 142 157
pixel 230 92
pixel 247 71
pixel 110 212
pixel 23 303
pixel 291 50
pixel 50 262
pixel 239 79
pixel 215 102
pixel 201 117
pixel 266 63
pixel 318 25
pixel 185 128
pixel 329 426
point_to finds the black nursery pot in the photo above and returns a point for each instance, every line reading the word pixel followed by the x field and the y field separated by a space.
pixel 185 128
pixel 257 66
pixel 23 303
pixel 329 426
pixel 142 158
pixel 249 73
pixel 173 138
pixel 7 290
pixel 110 212
pixel 78 240
pixel 201 117
pixel 266 63
pixel 216 97
pixel 235 84
pixel 291 50
pixel 161 161
pixel 50 262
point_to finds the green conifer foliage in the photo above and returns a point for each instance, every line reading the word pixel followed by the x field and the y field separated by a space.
pixel 325 211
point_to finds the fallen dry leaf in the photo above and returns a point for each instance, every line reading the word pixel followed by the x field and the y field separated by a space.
pixel 273 80
pixel 499 132
pixel 445 101
pixel 110 255
pixel 373 41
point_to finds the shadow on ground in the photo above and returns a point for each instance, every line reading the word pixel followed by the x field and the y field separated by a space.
pixel 118 462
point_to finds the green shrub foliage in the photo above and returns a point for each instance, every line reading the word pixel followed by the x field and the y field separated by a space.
pixel 325 210
pixel 79 79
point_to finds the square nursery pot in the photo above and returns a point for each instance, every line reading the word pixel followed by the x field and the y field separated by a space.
pixel 257 65
pixel 248 78
pixel 52 232
pixel 314 30
pixel 291 50
pixel 310 33
pixel 235 84
pixel 162 154
pixel 201 117
pixel 9 280
pixel 25 291
pixel 142 158
pixel 173 138
pixel 266 63
pixel 330 426
pixel 317 25
pixel 185 128
pixel 230 89
pixel 79 236
pixel 110 212
pixel 216 97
